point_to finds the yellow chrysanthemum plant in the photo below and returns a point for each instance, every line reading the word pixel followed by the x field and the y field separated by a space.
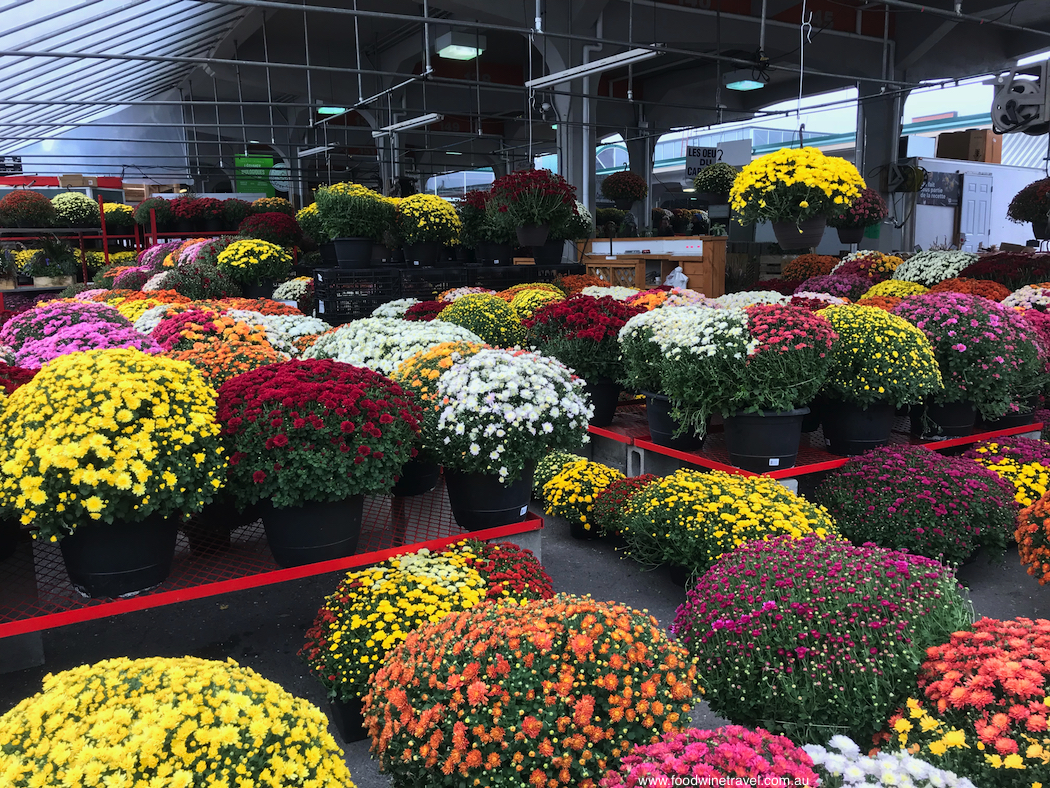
pixel 251 261
pixel 690 519
pixel 879 358
pixel 427 218
pixel 793 185
pixel 350 210
pixel 572 492
pixel 109 436
pixel 177 723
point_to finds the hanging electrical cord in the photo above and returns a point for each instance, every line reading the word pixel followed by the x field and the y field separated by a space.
pixel 804 30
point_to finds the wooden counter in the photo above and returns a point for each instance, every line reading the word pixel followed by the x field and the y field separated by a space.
pixel 626 262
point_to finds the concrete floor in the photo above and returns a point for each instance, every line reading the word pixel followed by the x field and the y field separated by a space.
pixel 263 628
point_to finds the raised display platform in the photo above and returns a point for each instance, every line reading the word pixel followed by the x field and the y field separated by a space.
pixel 35 592
pixel 631 427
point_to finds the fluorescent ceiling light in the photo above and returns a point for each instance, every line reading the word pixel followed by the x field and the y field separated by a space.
pixel 454 152
pixel 598 66
pixel 411 123
pixel 331 110
pixel 742 79
pixel 1039 57
pixel 459 45
pixel 313 151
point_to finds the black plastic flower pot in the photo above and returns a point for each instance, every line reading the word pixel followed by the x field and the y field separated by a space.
pixel 417 477
pixel 764 441
pixel 214 225
pixel 803 235
pixel 850 430
pixel 950 420
pixel 353 252
pixel 1008 420
pixel 185 226
pixel 811 421
pixel 850 235
pixel 327 252
pixel 662 426
pixel 424 255
pixel 548 254
pixel 584 532
pixel 480 500
pixel 495 254
pixel 1041 230
pixel 263 289
pixel 604 395
pixel 624 203
pixel 9 532
pixel 313 531
pixel 678 574
pixel 533 234
pixel 349 719
pixel 119 559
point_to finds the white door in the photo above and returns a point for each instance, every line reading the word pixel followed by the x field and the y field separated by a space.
pixel 976 222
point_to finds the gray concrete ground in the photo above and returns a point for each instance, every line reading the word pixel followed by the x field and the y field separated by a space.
pixel 263 628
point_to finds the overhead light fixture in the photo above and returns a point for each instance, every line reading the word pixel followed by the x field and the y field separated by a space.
pixel 313 151
pixel 331 110
pixel 1039 57
pixel 743 79
pixel 454 152
pixel 459 45
pixel 598 66
pixel 554 126
pixel 405 125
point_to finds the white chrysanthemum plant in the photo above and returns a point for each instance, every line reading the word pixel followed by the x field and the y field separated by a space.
pixel 748 298
pixel 498 412
pixel 383 343
pixel 288 328
pixel 152 318
pixel 614 291
pixel 842 763
pixel 929 268
pixel 293 290
pixel 155 282
pixel 1029 297
pixel 394 309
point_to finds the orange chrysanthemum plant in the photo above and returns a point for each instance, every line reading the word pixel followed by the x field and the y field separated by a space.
pixel 985 707
pixel 1033 539
pixel 218 360
pixel 548 693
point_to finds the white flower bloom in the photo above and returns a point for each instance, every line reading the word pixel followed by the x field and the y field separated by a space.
pixel 293 289
pixel 616 292
pixel 394 309
pixel 929 268
pixel 898 769
pixel 751 298
pixel 152 318
pixel 383 344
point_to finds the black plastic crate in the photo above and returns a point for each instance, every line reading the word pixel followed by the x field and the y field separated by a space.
pixel 502 277
pixel 353 293
pixel 426 283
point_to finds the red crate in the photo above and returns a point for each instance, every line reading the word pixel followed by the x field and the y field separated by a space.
pixel 35 592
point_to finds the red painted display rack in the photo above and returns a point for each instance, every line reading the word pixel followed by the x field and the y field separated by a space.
pixel 35 592
pixel 631 427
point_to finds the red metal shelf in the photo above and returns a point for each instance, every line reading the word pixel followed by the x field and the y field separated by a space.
pixel 35 592
pixel 631 427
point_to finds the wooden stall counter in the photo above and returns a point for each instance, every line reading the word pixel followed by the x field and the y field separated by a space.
pixel 624 261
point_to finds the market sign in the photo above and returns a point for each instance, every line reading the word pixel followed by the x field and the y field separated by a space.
pixel 11 165
pixel 252 174
pixel 697 158
pixel 941 188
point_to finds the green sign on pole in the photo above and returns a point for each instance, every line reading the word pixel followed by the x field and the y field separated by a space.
pixel 252 174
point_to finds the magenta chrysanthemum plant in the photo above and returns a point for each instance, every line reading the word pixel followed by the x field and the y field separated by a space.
pixel 97 335
pixel 714 757
pixel 912 498
pixel 813 637
pixel 987 353
pixel 849 286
